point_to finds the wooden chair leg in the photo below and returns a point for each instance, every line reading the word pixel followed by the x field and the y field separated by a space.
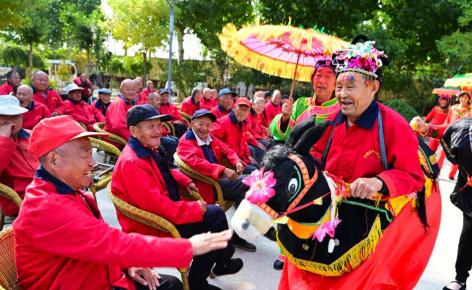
pixel 184 277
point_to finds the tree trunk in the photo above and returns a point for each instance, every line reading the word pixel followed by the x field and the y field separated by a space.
pixel 87 66
pixel 145 66
pixel 180 43
pixel 247 88
pixel 30 56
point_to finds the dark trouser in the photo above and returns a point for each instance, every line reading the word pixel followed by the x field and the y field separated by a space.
pixel 170 145
pixel 464 252
pixel 257 153
pixel 166 282
pixel 235 190
pixel 214 220
pixel 180 129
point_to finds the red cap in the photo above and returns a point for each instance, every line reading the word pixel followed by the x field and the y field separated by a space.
pixel 242 101
pixel 53 132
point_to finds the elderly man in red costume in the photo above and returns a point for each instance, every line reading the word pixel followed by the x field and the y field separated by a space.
pixel 81 111
pixel 207 101
pixel 225 102
pixel 170 109
pixel 362 146
pixel 437 116
pixel 274 106
pixel 36 111
pixel 17 165
pixel 115 121
pixel 44 95
pixel 13 81
pixel 193 102
pixel 61 240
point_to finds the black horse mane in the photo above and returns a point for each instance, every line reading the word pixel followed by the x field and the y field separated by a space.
pixel 276 155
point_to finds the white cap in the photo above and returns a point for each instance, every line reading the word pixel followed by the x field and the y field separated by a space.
pixel 72 87
pixel 10 106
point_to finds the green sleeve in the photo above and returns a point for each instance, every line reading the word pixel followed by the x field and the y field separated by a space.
pixel 299 107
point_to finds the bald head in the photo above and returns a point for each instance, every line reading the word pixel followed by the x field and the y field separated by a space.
pixel 128 89
pixel 40 81
pixel 24 93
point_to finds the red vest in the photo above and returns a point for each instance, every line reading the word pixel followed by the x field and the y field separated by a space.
pixel 36 113
pixel 83 113
pixel 52 101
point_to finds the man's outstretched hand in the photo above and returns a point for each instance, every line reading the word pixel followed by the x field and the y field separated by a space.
pixel 207 242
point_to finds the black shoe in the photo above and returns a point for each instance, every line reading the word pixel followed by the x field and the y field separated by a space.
pixel 231 267
pixel 271 235
pixel 455 283
pixel 241 243
pixel 278 265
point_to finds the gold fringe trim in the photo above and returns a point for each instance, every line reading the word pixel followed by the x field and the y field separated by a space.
pixel 347 262
pixel 230 39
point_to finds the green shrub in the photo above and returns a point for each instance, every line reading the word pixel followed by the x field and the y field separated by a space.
pixel 402 107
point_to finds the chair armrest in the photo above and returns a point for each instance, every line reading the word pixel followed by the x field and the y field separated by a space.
pixel 10 194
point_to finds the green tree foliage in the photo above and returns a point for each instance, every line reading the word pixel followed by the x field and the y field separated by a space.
pixel 402 107
pixel 14 55
pixel 140 22
pixel 10 13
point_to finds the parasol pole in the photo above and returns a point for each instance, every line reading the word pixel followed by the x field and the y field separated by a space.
pixel 292 87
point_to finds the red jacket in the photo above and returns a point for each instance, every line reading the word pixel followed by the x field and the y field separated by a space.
pixel 192 154
pixel 172 110
pixel 138 181
pixel 61 242
pixel 189 106
pixel 17 168
pixel 83 113
pixel 6 89
pixel 115 121
pixel 238 138
pixel 272 110
pixel 437 116
pixel 52 100
pixel 208 104
pixel 87 86
pixel 355 152
pixel 219 112
pixel 36 112
pixel 257 127
pixel 143 95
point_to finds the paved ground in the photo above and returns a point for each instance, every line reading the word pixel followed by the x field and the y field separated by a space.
pixel 259 274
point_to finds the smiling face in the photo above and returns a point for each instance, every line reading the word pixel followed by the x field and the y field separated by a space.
pixel 323 83
pixel 202 127
pixel 40 81
pixel 24 93
pixel 72 163
pixel 148 132
pixel 355 93
pixel 241 112
pixel 227 101
pixel 464 99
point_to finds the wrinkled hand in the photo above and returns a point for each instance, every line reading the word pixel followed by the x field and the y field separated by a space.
pixel 365 187
pixel 230 173
pixel 207 242
pixel 203 205
pixel 191 187
pixel 6 129
pixel 239 167
pixel 145 277
pixel 261 146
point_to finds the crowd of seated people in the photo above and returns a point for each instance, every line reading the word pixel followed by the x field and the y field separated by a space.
pixel 216 133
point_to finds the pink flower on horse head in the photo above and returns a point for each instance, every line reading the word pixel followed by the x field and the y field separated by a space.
pixel 260 186
pixel 327 228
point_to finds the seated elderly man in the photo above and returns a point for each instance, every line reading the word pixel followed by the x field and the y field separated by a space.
pixel 13 81
pixel 115 120
pixel 207 101
pixel 36 111
pixel 170 109
pixel 43 94
pixel 225 102
pixel 17 165
pixel 103 100
pixel 233 129
pixel 193 102
pixel 80 110
pixel 205 154
pixel 142 177
pixel 61 241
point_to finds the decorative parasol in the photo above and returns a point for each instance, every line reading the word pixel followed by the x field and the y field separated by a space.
pixel 464 80
pixel 281 51
pixel 446 92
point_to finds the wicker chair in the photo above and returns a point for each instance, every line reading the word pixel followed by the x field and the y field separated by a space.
pixel 9 193
pixel 113 137
pixel 109 149
pixel 170 127
pixel 152 220
pixel 186 116
pixel 187 170
pixel 8 276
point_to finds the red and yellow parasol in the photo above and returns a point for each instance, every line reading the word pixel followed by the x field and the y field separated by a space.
pixel 281 51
